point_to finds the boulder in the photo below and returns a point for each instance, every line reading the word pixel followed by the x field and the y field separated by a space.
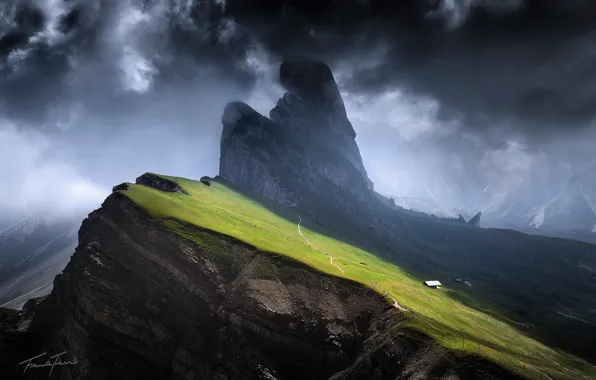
pixel 206 180
pixel 121 187
pixel 156 182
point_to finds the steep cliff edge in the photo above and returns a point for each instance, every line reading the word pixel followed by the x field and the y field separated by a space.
pixel 138 301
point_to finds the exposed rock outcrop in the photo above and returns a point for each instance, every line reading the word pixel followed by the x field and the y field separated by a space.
pixel 206 180
pixel 305 156
pixel 121 187
pixel 159 183
pixel 306 147
pixel 313 109
pixel 406 354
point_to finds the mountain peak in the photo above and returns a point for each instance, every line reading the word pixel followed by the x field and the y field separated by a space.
pixel 313 100
pixel 312 81
pixel 475 221
pixel 306 145
pixel 236 111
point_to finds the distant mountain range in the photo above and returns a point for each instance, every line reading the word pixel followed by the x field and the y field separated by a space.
pixel 32 252
pixel 570 212
pixel 574 208
pixel 427 206
pixel 422 179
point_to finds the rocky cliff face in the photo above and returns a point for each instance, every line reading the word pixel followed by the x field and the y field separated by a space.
pixel 305 155
pixel 137 301
pixel 306 147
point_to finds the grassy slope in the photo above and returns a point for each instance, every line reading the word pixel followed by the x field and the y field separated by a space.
pixel 222 209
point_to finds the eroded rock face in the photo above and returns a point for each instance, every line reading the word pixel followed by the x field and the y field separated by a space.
pixel 306 147
pixel 406 354
pixel 138 302
pixel 313 102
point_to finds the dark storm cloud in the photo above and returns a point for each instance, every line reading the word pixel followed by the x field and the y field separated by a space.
pixel 54 52
pixel 527 63
pixel 94 92
pixel 523 63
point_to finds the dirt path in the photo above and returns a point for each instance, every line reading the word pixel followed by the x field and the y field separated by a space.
pixel 314 247
pixel 395 303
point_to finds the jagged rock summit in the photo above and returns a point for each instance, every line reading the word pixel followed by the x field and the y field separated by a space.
pixel 306 148
pixel 475 221
pixel 304 155
pixel 313 101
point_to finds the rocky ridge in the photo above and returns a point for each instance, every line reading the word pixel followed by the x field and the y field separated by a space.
pixel 137 301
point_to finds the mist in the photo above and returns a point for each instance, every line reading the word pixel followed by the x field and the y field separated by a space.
pixel 472 104
pixel 73 129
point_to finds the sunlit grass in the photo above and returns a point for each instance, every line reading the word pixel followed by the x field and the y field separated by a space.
pixel 222 209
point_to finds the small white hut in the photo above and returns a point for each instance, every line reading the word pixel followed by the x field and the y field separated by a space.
pixel 433 284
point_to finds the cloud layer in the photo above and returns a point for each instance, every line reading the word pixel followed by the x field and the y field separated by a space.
pixel 524 64
pixel 36 177
pixel 481 89
pixel 93 93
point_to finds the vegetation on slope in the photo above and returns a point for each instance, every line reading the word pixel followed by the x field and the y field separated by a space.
pixel 452 323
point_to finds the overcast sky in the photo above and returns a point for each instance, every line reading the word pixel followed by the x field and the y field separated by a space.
pixel 482 93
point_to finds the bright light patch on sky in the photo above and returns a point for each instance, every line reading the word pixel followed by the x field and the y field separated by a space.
pixel 35 178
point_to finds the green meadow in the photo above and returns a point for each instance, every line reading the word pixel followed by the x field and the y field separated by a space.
pixel 223 209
